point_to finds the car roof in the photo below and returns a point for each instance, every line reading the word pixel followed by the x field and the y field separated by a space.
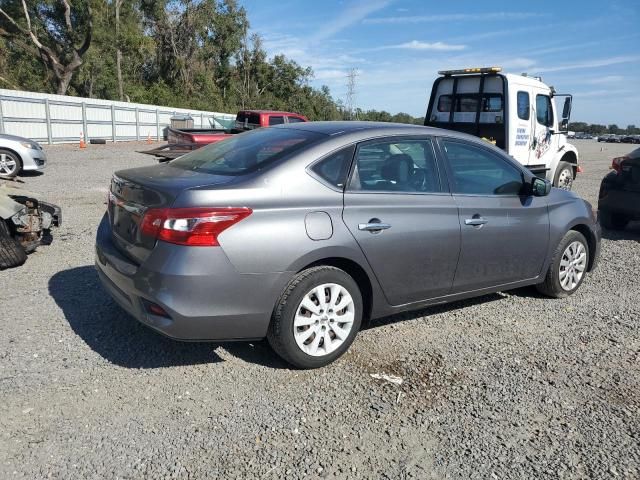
pixel 344 127
pixel 375 129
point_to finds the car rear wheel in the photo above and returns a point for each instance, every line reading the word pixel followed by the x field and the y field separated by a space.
pixel 317 317
pixel 612 221
pixel 568 266
pixel 11 252
pixel 10 164
pixel 564 176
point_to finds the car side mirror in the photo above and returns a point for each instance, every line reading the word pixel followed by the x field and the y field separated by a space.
pixel 540 187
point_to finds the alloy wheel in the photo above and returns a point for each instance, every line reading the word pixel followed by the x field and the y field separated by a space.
pixel 7 164
pixel 572 266
pixel 323 320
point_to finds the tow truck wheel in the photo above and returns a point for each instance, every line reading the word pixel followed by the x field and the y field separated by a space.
pixel 11 252
pixel 564 176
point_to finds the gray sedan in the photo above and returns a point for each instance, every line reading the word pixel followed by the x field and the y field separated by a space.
pixel 301 233
pixel 19 154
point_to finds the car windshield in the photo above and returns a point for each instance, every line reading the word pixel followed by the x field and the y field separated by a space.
pixel 247 152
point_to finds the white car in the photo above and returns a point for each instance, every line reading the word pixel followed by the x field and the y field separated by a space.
pixel 18 154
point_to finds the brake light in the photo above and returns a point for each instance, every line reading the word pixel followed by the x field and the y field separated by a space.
pixel 191 226
pixel 616 163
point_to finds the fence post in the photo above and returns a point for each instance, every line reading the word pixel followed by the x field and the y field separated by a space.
pixel 47 112
pixel 137 125
pixel 157 125
pixel 84 121
pixel 113 123
pixel 1 117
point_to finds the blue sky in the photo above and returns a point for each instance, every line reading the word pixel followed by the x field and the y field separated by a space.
pixel 590 49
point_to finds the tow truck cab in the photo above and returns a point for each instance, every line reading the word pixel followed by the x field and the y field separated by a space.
pixel 517 113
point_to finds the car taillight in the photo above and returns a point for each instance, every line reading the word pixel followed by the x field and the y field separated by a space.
pixel 191 226
pixel 616 163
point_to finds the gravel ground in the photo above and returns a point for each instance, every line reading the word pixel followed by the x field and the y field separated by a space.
pixel 506 386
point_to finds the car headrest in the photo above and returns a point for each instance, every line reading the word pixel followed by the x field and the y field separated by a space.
pixel 397 168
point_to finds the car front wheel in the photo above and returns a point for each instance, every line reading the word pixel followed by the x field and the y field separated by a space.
pixel 10 164
pixel 568 266
pixel 317 317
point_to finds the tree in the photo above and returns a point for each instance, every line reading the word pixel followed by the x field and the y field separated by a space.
pixel 56 33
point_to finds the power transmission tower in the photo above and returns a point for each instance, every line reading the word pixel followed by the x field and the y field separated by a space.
pixel 351 93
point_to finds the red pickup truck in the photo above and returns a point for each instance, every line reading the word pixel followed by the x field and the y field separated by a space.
pixel 183 140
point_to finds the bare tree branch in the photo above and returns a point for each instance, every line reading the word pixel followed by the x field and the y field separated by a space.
pixel 67 15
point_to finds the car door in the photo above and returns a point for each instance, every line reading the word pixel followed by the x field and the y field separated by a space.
pixel 402 218
pixel 504 235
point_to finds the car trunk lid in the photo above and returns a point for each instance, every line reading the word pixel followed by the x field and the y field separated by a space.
pixel 133 192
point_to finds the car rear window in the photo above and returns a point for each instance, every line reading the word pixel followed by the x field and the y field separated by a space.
pixel 246 152
pixel 250 118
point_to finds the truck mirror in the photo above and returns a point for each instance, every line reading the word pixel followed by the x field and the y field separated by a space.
pixel 566 110
pixel 564 125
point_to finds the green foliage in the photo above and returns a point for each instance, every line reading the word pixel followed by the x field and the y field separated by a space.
pixel 597 129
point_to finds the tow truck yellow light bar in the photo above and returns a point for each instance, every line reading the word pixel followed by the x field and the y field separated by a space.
pixel 469 71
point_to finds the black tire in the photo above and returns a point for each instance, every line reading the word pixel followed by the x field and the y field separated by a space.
pixel 97 141
pixel 11 252
pixel 612 221
pixel 281 329
pixel 551 285
pixel 9 155
pixel 566 179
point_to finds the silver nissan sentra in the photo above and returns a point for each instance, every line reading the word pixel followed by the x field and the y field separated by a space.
pixel 301 233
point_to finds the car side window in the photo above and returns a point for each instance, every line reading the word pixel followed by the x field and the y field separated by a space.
pixel 544 112
pixel 276 121
pixel 396 165
pixel 523 105
pixel 335 168
pixel 478 171
pixel 295 120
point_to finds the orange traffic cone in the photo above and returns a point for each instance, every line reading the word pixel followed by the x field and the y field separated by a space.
pixel 82 143
pixel 149 138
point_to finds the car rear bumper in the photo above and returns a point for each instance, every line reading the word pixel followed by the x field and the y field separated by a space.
pixel 614 199
pixel 200 290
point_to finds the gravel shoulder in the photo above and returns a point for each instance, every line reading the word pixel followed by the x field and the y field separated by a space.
pixel 509 386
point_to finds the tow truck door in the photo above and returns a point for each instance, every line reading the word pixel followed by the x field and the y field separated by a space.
pixel 543 144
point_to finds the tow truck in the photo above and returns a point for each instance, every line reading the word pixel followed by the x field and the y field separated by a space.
pixel 517 113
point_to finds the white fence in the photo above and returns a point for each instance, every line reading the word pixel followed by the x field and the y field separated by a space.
pixel 60 118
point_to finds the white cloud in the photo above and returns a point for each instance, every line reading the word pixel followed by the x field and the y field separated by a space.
pixel 348 17
pixel 439 46
pixel 452 17
pixel 606 79
pixel 602 62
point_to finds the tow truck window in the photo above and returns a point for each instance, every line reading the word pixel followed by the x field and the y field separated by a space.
pixel 444 103
pixel 492 103
pixel 469 103
pixel 523 105
pixel 544 112
pixel 276 121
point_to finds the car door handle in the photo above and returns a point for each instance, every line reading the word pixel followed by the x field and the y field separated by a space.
pixel 476 221
pixel 373 226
